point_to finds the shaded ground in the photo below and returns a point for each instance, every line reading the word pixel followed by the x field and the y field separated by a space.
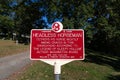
pixel 12 64
pixel 105 59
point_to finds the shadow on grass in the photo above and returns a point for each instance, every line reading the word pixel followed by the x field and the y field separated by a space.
pixel 104 59
pixel 115 77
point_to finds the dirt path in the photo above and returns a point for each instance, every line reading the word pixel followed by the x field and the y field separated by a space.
pixel 12 64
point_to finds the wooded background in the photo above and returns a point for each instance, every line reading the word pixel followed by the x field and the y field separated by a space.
pixel 99 18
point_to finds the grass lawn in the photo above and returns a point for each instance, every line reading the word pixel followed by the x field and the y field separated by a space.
pixel 76 70
pixel 8 47
pixel 105 68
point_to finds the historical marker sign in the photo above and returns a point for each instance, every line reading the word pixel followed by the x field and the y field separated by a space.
pixel 57 46
pixel 57 43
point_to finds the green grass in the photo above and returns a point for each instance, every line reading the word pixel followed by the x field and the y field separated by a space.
pixel 76 70
pixel 8 47
pixel 85 71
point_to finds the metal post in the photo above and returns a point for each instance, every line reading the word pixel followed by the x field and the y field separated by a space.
pixel 57 76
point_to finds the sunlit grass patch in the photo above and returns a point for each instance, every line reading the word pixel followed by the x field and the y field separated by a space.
pixel 8 47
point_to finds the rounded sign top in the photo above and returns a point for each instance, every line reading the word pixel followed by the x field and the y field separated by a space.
pixel 57 26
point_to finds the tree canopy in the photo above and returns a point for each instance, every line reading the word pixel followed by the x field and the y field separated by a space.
pixel 99 18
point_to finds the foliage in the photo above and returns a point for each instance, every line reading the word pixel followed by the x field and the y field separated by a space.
pixel 6 23
pixel 99 18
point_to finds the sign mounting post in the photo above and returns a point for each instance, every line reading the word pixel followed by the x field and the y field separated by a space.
pixel 57 46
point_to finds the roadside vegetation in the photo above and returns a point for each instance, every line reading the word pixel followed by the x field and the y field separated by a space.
pixel 8 47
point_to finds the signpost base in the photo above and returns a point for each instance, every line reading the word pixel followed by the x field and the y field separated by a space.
pixel 57 65
pixel 57 70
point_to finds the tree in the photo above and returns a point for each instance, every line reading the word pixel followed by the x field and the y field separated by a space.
pixel 101 31
pixel 107 25
pixel 28 14
pixel 99 18
pixel 6 23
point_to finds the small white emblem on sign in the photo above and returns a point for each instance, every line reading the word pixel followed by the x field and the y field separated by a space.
pixel 57 26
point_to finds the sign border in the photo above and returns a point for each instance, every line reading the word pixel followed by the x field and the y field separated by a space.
pixel 58 59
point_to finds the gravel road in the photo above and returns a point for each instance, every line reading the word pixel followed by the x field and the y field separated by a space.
pixel 12 64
